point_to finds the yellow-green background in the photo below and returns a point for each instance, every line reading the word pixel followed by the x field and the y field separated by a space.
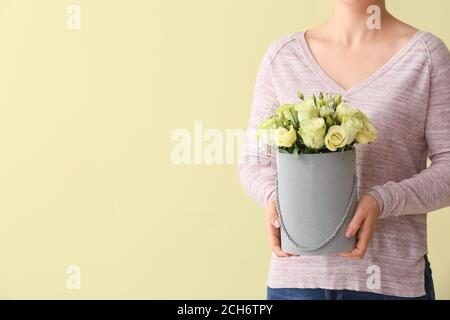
pixel 85 124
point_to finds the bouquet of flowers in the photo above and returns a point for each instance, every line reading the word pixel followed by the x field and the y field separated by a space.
pixel 320 124
pixel 316 193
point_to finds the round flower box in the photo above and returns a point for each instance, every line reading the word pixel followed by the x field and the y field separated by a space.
pixel 316 198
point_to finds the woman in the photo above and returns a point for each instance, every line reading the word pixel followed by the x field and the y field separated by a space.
pixel 400 77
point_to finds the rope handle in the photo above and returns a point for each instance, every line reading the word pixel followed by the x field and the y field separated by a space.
pixel 330 237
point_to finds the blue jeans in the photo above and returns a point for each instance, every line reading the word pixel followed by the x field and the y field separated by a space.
pixel 323 294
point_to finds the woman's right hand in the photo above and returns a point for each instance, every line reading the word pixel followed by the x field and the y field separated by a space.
pixel 273 229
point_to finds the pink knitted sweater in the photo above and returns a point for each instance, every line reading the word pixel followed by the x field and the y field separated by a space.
pixel 408 101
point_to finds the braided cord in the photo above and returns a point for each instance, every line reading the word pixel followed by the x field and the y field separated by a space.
pixel 331 236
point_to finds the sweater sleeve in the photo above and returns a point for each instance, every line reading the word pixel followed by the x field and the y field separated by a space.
pixel 257 165
pixel 429 189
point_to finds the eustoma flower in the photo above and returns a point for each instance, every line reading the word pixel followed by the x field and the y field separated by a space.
pixel 312 132
pixel 287 112
pixel 336 138
pixel 345 110
pixel 284 137
pixel 323 123
pixel 356 124
pixel 307 110
pixel 353 126
pixel 266 130
pixel 367 134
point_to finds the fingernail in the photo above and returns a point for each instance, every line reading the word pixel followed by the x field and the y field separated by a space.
pixel 349 233
pixel 276 223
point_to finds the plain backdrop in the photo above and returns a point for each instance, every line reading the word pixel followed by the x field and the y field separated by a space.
pixel 86 119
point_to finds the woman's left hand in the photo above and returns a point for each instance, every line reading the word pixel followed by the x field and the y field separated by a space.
pixel 363 223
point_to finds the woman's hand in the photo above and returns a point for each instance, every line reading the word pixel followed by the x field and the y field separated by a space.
pixel 363 223
pixel 273 229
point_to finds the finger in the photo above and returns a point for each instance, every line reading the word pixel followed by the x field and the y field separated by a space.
pixel 274 237
pixel 280 253
pixel 275 241
pixel 363 240
pixel 361 244
pixel 276 223
pixel 355 223
pixel 354 254
pixel 276 247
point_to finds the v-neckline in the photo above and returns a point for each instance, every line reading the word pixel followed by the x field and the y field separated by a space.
pixel 334 85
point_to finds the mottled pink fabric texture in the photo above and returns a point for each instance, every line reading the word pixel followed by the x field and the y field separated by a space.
pixel 408 101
